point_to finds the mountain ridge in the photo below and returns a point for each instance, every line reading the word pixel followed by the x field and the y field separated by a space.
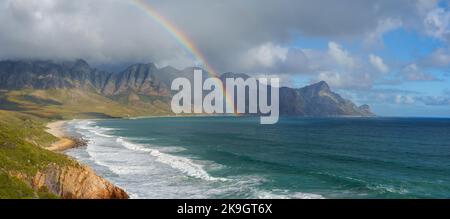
pixel 139 85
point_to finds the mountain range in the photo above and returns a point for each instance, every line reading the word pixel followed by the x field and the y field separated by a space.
pixel 76 88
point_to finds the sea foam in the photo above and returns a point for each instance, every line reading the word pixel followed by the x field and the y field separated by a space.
pixel 285 195
pixel 182 164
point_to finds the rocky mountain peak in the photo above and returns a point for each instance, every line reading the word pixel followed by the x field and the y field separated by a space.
pixel 142 66
pixel 78 65
pixel 316 89
pixel 234 75
pixel 321 86
pixel 75 63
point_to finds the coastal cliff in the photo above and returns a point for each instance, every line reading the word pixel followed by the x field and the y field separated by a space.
pixel 28 169
pixel 76 182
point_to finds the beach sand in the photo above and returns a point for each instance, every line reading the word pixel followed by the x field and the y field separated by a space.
pixel 65 142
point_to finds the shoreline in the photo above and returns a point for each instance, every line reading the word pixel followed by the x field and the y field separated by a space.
pixel 65 141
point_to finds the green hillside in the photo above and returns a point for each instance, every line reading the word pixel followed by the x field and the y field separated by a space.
pixel 22 137
pixel 77 103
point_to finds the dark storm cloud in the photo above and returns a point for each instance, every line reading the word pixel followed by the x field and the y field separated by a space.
pixel 116 31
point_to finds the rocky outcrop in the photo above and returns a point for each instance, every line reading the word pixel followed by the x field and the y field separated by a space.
pixel 318 100
pixel 366 109
pixel 313 100
pixel 76 182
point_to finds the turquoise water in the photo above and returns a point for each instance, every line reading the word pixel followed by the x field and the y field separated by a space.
pixel 229 157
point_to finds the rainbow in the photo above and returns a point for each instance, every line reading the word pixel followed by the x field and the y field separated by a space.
pixel 183 40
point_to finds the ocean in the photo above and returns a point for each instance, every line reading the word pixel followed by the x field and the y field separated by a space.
pixel 236 157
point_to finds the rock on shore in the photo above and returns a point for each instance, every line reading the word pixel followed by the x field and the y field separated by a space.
pixel 77 182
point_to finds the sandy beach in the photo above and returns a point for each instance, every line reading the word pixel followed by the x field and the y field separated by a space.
pixel 65 142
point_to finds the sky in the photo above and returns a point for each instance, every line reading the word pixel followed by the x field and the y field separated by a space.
pixel 392 55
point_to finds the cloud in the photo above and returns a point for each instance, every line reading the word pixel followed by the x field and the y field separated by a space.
pixel 412 72
pixel 440 58
pixel 437 23
pixel 270 58
pixel 104 31
pixel 378 63
pixel 343 69
pixel 404 99
pixel 424 6
pixel 435 100
pixel 266 55
pixel 111 31
pixel 387 96
pixel 341 56
pixel 346 80
pixel 336 65
pixel 384 26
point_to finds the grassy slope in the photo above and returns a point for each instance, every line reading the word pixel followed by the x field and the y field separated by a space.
pixel 75 103
pixel 23 115
pixel 21 156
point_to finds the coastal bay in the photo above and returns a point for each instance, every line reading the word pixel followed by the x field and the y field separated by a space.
pixel 298 158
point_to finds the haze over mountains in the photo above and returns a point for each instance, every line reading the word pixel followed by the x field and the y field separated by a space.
pixel 140 86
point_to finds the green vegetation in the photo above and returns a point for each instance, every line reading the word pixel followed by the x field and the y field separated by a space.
pixel 12 187
pixel 76 103
pixel 21 154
